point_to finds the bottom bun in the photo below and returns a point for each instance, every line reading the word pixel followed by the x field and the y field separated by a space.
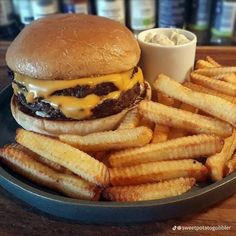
pixel 55 128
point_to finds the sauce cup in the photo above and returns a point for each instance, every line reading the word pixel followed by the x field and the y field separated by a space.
pixel 176 61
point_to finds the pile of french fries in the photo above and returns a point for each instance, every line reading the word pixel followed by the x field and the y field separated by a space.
pixel 162 148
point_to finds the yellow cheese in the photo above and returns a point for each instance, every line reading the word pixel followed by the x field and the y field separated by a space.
pixel 72 107
pixel 44 88
pixel 75 108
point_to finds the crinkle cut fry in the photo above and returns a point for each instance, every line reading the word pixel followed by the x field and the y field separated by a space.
pixel 25 164
pixel 108 140
pixel 152 191
pixel 213 61
pixel 217 163
pixel 177 118
pixel 63 154
pixel 216 71
pixel 130 120
pixel 210 104
pixel 41 159
pixel 218 85
pixel 180 148
pixel 157 171
pixel 202 89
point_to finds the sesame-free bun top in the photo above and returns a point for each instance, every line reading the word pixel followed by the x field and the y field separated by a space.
pixel 67 46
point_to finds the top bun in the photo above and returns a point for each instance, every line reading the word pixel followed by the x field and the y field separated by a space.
pixel 66 46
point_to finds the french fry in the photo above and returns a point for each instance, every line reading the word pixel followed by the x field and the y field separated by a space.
pixel 218 85
pixel 157 171
pixel 177 118
pixel 41 159
pixel 169 188
pixel 130 120
pixel 216 163
pixel 231 165
pixel 21 161
pixel 160 133
pixel 231 78
pixel 181 148
pixel 71 158
pixel 166 100
pixel 212 61
pixel 213 105
pixel 146 123
pixel 216 71
pixel 203 64
pixel 201 89
pixel 220 76
pixel 108 140
pixel 177 132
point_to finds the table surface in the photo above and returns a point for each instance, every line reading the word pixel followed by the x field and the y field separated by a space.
pixel 17 218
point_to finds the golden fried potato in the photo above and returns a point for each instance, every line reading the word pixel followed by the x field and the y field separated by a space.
pixel 71 158
pixel 157 171
pixel 218 85
pixel 181 148
pixel 146 123
pixel 201 89
pixel 130 120
pixel 200 64
pixel 231 165
pixel 231 78
pixel 178 132
pixel 213 61
pixel 216 71
pixel 117 139
pixel 168 188
pixel 41 159
pixel 213 105
pixel 160 133
pixel 166 100
pixel 216 163
pixel 220 76
pixel 22 162
pixel 177 118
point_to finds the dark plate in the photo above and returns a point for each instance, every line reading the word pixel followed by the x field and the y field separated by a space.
pixel 104 212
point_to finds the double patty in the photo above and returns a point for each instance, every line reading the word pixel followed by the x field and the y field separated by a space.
pixel 108 107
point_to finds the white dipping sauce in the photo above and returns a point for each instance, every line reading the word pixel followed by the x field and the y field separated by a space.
pixel 175 38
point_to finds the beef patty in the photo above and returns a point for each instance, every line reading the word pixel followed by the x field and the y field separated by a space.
pixel 41 108
pixel 108 107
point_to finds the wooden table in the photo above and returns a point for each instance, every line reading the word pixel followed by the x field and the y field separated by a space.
pixel 17 218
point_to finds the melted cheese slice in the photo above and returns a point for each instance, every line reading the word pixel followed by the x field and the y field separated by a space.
pixel 72 107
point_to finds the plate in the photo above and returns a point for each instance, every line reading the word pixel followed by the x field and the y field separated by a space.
pixel 199 198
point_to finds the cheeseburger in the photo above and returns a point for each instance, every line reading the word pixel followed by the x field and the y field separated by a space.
pixel 74 74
